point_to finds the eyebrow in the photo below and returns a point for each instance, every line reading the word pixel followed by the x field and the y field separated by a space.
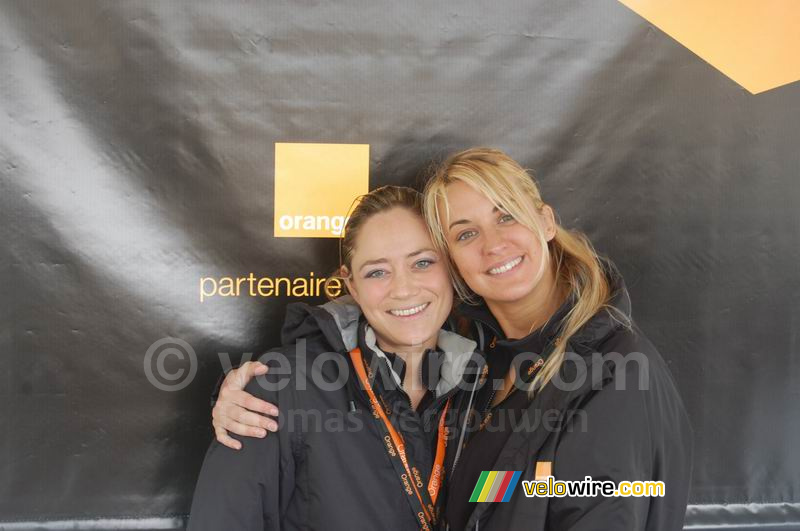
pixel 384 260
pixel 465 221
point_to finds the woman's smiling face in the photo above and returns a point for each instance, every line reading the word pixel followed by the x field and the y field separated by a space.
pixel 500 259
pixel 400 281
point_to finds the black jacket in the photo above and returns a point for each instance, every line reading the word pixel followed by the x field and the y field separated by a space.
pixel 639 431
pixel 327 466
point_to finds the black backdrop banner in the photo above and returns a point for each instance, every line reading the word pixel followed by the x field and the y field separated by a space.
pixel 138 171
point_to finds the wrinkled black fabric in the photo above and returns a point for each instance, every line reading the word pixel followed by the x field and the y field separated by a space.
pixel 136 156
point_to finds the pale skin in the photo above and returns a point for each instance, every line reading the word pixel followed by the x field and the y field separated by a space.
pixel 394 269
pixel 483 242
pixel 500 259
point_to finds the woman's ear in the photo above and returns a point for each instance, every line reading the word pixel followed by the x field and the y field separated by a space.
pixel 548 218
pixel 348 282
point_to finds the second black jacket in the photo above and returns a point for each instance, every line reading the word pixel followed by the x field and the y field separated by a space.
pixel 619 418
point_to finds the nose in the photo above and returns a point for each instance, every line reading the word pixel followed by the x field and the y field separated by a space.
pixel 493 243
pixel 404 285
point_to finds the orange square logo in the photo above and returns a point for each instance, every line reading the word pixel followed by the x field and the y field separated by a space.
pixel 315 185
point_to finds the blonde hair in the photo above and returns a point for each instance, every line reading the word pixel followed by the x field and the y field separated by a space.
pixel 377 201
pixel 511 189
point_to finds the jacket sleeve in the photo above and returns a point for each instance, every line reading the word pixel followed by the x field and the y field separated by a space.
pixel 608 439
pixel 245 489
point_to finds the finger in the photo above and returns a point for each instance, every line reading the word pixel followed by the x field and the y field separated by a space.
pixel 256 404
pixel 242 416
pixel 249 370
pixel 233 380
pixel 224 405
pixel 241 429
pixel 227 440
pixel 248 401
pixel 258 421
pixel 218 422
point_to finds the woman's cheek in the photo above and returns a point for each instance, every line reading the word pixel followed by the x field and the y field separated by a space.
pixel 458 259
pixel 468 268
pixel 369 290
pixel 377 291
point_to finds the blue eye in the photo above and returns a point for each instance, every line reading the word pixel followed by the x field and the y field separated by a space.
pixel 378 273
pixel 467 234
pixel 505 218
pixel 425 263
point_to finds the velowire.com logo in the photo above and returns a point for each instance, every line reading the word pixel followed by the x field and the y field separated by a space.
pixel 498 486
pixel 315 184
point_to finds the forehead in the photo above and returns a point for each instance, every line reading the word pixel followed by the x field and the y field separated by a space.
pixel 394 233
pixel 464 201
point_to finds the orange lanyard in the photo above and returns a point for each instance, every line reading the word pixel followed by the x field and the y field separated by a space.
pixel 437 472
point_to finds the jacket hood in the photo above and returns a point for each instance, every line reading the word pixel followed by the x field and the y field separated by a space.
pixel 337 321
pixel 611 319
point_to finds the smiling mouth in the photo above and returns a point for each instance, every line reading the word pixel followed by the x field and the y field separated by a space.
pixel 408 312
pixel 505 268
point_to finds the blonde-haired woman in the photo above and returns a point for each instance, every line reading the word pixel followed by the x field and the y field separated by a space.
pixel 573 389
pixel 581 392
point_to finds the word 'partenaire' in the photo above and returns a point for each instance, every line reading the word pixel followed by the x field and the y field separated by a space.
pixel 310 286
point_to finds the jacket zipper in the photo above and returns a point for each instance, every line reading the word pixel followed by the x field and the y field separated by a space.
pixel 464 427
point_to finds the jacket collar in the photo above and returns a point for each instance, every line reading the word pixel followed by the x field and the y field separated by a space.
pixel 339 323
pixel 442 369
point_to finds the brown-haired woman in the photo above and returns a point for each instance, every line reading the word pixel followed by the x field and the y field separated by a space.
pixel 341 459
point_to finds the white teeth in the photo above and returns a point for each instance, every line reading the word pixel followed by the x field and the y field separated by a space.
pixel 409 311
pixel 505 267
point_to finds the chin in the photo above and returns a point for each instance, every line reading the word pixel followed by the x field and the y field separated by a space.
pixel 511 293
pixel 420 337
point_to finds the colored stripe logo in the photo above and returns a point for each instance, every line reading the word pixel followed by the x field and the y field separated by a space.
pixel 494 486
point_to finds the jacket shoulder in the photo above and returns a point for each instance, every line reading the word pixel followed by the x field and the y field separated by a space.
pixel 637 390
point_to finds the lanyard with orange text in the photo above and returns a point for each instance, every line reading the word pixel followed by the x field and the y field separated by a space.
pixel 422 501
